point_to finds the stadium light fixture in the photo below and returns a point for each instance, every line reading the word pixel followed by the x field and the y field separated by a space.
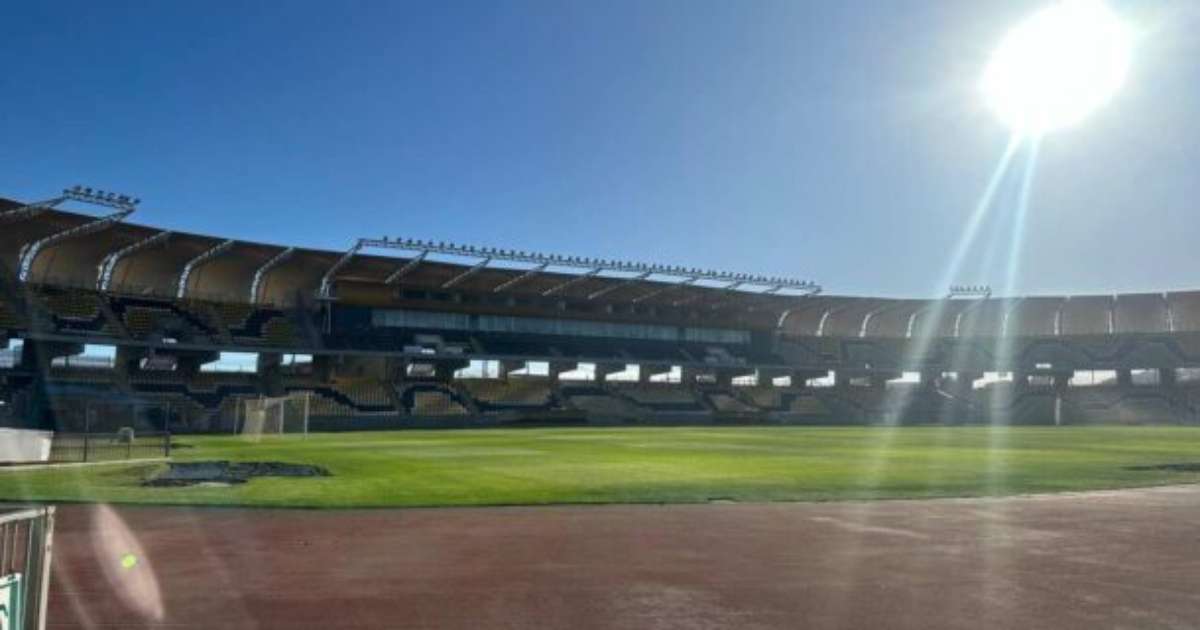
pixel 969 291
pixel 101 198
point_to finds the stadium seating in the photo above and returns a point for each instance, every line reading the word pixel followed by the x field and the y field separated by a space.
pixel 322 403
pixel 808 404
pixel 600 403
pixel 512 392
pixel 660 395
pixel 433 401
pixel 727 403
pixel 278 331
pixel 10 319
pixel 367 396
pixel 73 304
pixel 142 321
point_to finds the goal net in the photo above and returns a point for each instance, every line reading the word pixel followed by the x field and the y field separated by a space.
pixel 268 416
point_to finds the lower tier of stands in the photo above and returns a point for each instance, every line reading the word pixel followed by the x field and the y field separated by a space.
pixel 77 398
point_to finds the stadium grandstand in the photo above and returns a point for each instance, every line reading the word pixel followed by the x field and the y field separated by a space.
pixel 396 332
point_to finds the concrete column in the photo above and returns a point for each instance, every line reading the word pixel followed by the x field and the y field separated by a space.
pixel 1166 377
pixel 966 382
pixel 268 361
pixel 508 366
pixel 558 367
pixel 126 359
pixel 444 369
pixel 766 376
pixel 646 370
pixel 604 369
pixel 725 376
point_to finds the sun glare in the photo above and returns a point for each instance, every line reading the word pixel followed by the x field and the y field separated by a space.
pixel 1057 66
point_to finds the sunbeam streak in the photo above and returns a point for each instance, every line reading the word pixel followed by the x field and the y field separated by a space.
pixel 897 399
pixel 1018 232
pixel 981 211
pixel 1004 343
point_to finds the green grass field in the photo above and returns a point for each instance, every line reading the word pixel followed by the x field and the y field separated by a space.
pixel 639 465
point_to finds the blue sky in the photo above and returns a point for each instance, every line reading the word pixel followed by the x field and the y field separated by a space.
pixel 842 142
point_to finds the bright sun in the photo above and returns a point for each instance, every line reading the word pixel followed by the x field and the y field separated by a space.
pixel 1057 66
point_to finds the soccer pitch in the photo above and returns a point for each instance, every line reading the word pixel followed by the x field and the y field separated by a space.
pixel 647 465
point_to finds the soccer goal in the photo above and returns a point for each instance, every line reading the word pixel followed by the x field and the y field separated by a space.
pixel 280 415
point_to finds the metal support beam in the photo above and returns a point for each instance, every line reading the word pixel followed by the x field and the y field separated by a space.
pixel 659 291
pixel 466 274
pixel 824 318
pixel 787 312
pixel 104 271
pixel 212 252
pixel 30 210
pixel 30 251
pixel 1008 315
pixel 959 315
pixel 862 329
pixel 265 268
pixel 914 316
pixel 619 284
pixel 406 268
pixel 508 284
pixel 572 282
pixel 327 279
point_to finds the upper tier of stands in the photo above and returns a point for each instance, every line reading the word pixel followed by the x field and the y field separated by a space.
pixel 219 308
pixel 1039 316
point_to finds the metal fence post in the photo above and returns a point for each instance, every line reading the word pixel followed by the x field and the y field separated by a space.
pixel 47 551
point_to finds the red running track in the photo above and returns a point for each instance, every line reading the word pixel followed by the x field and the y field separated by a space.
pixel 1122 559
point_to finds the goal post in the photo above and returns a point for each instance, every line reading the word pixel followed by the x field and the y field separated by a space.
pixel 273 416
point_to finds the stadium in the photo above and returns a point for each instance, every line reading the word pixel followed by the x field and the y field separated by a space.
pixel 118 335
pixel 500 315
pixel 388 342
